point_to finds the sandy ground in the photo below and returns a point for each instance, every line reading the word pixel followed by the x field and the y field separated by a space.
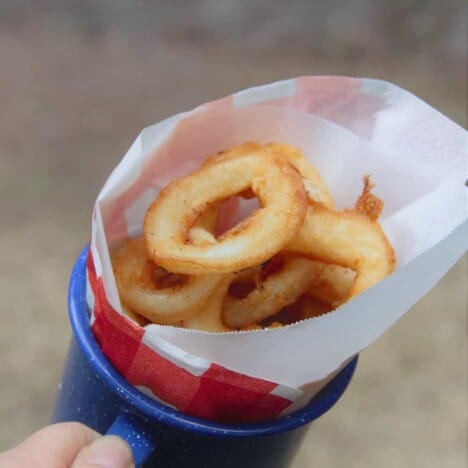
pixel 71 104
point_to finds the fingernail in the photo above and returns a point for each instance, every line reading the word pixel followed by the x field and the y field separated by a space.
pixel 108 452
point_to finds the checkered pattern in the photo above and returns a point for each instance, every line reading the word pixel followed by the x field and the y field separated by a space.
pixel 206 390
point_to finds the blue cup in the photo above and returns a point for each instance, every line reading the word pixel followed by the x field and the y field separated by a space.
pixel 94 393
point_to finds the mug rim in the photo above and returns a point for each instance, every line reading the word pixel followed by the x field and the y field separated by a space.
pixel 152 409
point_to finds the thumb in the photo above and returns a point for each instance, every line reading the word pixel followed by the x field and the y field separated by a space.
pixel 105 452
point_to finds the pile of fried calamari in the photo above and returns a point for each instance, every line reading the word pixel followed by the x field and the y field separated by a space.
pixel 293 257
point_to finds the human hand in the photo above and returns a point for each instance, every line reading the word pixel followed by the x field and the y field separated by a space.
pixel 68 445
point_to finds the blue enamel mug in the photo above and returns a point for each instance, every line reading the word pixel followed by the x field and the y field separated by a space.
pixel 94 393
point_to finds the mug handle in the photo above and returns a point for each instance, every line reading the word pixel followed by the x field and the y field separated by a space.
pixel 132 428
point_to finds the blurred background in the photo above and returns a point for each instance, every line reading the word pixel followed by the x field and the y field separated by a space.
pixel 79 79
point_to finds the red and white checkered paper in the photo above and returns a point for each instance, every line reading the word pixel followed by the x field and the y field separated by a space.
pixel 347 127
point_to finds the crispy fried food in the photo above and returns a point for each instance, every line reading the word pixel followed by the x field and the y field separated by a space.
pixel 329 289
pixel 203 230
pixel 314 184
pixel 293 258
pixel 209 317
pixel 251 327
pixel 270 294
pixel 311 307
pixel 152 292
pixel 275 324
pixel 333 285
pixel 347 239
pixel 368 204
pixel 254 240
pixel 139 319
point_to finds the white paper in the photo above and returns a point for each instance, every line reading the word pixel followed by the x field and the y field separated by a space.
pixel 417 159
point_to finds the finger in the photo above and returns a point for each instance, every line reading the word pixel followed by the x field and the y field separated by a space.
pixel 106 452
pixel 54 446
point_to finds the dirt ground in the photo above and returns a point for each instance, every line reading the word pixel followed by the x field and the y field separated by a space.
pixel 75 92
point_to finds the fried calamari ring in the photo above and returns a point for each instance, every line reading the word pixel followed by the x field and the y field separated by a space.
pixel 209 317
pixel 139 319
pixel 267 230
pixel 175 299
pixel 314 184
pixel 329 289
pixel 311 307
pixel 333 285
pixel 278 290
pixel 202 232
pixel 348 239
pixel 334 282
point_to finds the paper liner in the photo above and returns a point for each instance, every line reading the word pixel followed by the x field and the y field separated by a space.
pixel 347 128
